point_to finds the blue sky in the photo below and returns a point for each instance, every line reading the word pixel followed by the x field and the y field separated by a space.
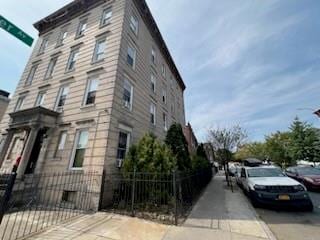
pixel 248 62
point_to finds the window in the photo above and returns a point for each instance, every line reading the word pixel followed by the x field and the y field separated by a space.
pixel 15 149
pixel 153 56
pixel 165 121
pixel 82 27
pixel 61 144
pixel 164 96
pixel 51 67
pixel 123 144
pixel 44 45
pixel 163 70
pixel 153 114
pixel 131 57
pixel 99 50
pixel 91 91
pixel 31 74
pixel 81 142
pixel 153 83
pixel 62 96
pixel 106 17
pixel 63 35
pixel 127 94
pixel 19 104
pixel 172 104
pixel 72 59
pixel 134 24
pixel 40 99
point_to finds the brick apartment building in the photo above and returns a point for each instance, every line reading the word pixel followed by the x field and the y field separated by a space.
pixel 99 77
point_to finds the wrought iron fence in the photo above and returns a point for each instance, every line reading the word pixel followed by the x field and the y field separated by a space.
pixel 167 197
pixel 42 200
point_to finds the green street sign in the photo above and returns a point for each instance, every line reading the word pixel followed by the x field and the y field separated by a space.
pixel 15 31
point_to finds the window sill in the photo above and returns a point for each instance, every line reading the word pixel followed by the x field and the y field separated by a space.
pixel 104 25
pixel 84 107
pixel 58 46
pixel 79 36
pixel 97 62
pixel 47 78
pixel 69 71
pixel 40 53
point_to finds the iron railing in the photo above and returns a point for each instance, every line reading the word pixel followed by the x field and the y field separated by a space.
pixel 42 200
pixel 166 197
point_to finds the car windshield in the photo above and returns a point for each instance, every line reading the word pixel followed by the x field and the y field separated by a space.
pixel 308 171
pixel 265 172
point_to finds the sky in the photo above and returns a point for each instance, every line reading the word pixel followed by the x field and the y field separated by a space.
pixel 250 62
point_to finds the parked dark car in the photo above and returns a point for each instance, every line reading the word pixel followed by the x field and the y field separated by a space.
pixel 252 162
pixel 309 176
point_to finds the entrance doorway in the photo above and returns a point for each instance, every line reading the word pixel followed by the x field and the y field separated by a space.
pixel 35 151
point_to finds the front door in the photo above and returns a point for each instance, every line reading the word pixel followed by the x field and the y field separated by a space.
pixel 35 151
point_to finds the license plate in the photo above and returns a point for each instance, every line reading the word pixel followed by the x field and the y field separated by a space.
pixel 284 197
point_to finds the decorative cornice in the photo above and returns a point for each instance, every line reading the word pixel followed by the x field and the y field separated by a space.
pixel 79 7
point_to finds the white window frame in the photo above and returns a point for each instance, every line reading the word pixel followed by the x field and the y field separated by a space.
pixel 128 131
pixel 163 70
pixel 73 57
pixel 104 21
pixel 89 82
pixel 74 148
pixel 62 36
pixel 31 75
pixel 133 66
pixel 51 66
pixel 128 84
pixel 80 30
pixel 60 108
pixel 62 139
pixel 153 83
pixel 44 44
pixel 153 56
pixel 165 121
pixel 96 48
pixel 164 96
pixel 153 111
pixel 40 99
pixel 19 103
pixel 134 24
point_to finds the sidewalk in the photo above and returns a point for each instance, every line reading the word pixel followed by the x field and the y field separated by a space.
pixel 219 214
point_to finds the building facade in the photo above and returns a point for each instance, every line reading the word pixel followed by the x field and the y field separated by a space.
pixel 4 102
pixel 191 138
pixel 100 76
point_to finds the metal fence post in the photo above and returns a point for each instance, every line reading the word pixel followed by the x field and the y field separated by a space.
pixel 103 179
pixel 174 186
pixel 133 192
pixel 7 195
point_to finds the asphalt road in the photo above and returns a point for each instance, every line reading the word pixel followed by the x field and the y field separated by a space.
pixel 290 225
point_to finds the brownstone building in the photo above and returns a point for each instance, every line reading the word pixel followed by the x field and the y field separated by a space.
pixel 191 138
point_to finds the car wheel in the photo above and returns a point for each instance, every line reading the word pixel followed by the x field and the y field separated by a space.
pixel 253 200
pixel 309 207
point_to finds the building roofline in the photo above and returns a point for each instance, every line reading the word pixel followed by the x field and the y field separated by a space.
pixel 78 7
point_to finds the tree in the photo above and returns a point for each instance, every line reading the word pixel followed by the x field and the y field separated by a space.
pixel 252 150
pixel 304 141
pixel 277 148
pixel 201 152
pixel 176 141
pixel 225 141
pixel 149 155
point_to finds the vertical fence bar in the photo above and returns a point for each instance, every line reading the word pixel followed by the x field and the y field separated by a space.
pixel 133 192
pixel 7 195
pixel 174 187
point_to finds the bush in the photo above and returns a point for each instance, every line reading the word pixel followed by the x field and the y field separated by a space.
pixel 149 155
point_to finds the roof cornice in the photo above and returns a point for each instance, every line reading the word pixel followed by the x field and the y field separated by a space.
pixel 78 7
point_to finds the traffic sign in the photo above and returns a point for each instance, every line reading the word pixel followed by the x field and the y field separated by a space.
pixel 15 31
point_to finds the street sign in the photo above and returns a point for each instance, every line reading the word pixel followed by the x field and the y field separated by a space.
pixel 15 31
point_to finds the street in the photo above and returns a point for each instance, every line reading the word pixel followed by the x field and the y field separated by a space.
pixel 294 225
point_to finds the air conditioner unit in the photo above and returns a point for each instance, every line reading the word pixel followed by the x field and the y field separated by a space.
pixel 119 163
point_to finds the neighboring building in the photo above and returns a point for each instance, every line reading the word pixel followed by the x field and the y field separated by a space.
pixel 4 102
pixel 191 138
pixel 100 76
pixel 317 113
pixel 209 151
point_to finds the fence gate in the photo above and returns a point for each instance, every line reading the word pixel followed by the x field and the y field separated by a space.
pixel 39 201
